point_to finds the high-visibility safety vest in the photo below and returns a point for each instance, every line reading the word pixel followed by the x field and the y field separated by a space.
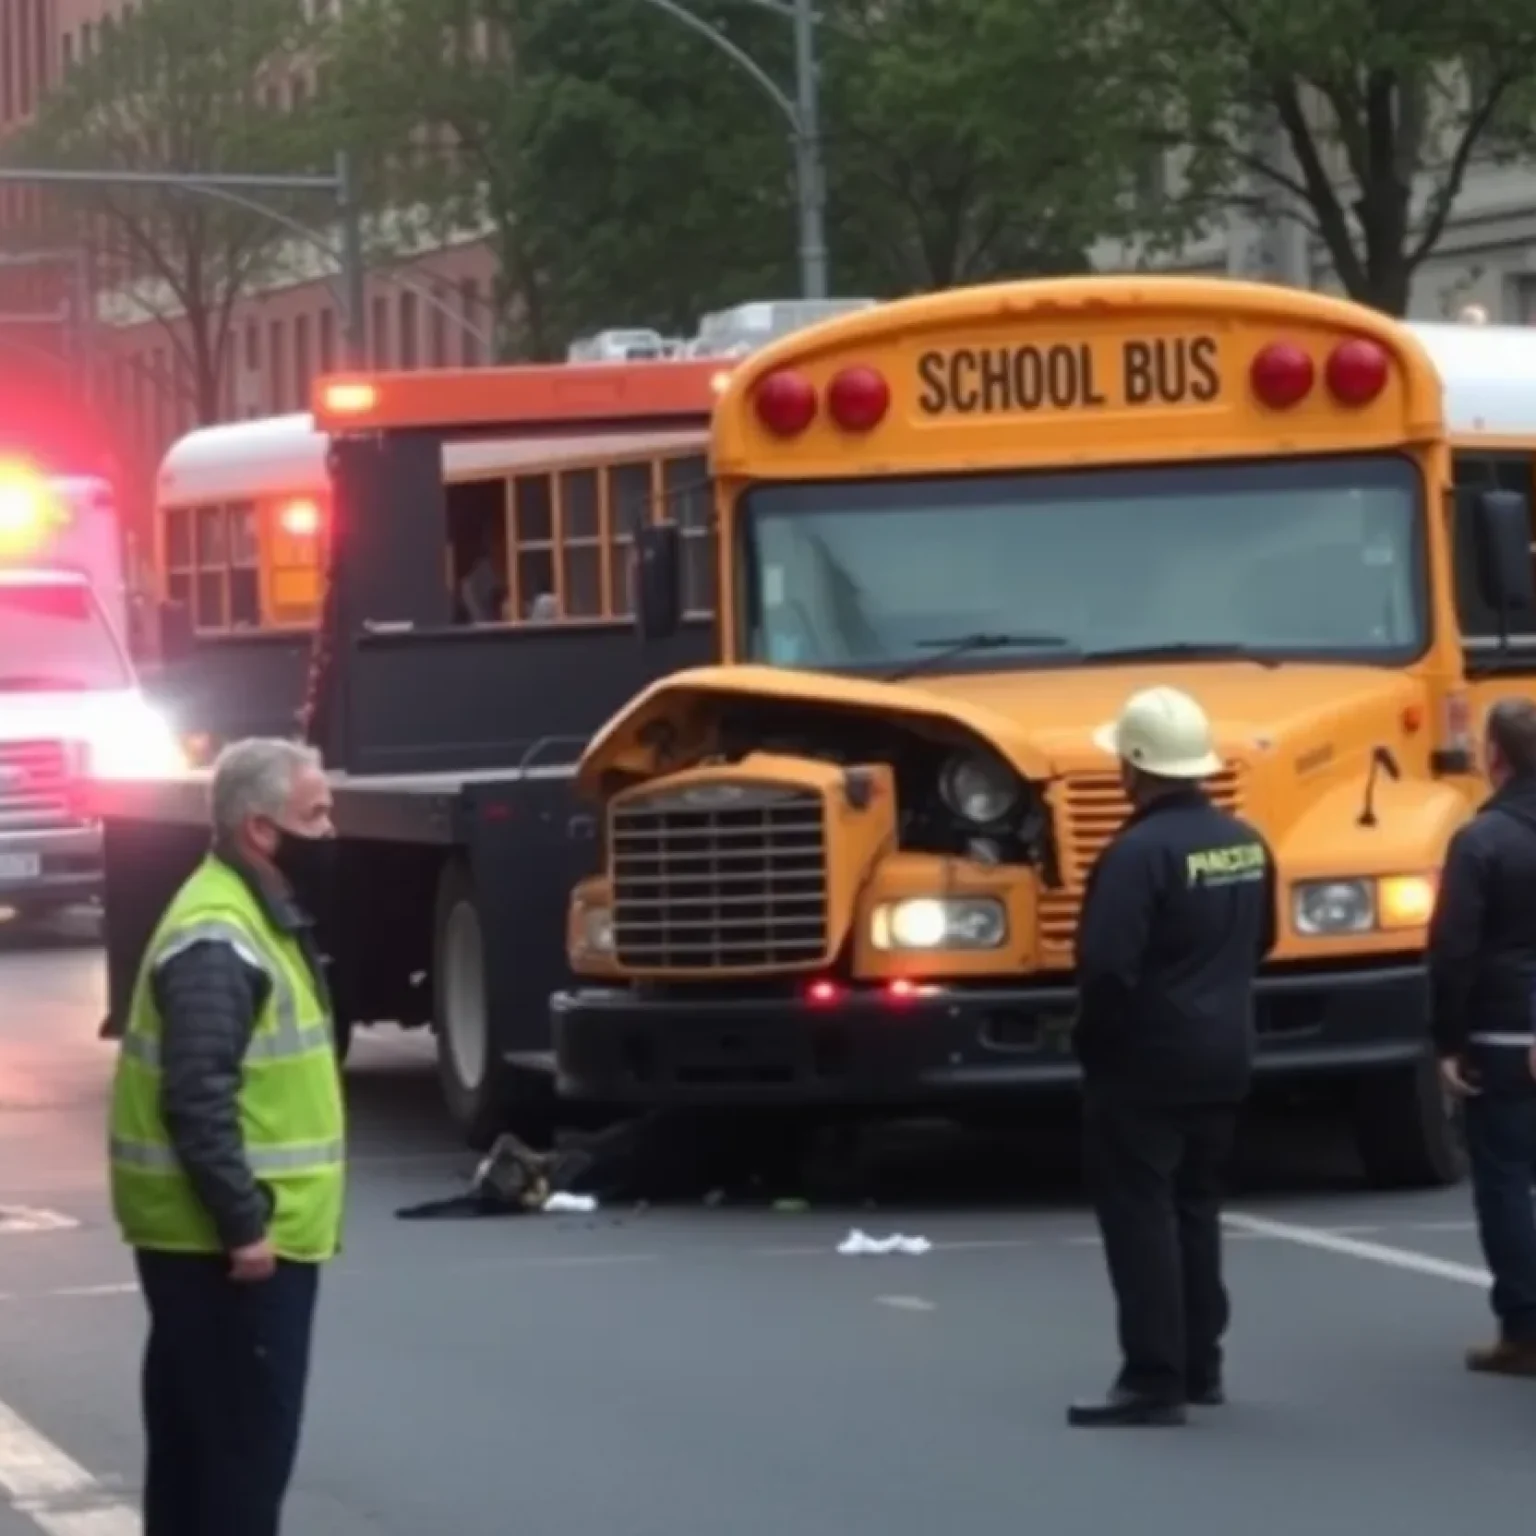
pixel 292 1114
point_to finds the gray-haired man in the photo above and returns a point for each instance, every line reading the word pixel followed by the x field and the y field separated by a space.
pixel 228 1151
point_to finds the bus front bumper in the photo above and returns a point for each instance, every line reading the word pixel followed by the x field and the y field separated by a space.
pixel 866 1046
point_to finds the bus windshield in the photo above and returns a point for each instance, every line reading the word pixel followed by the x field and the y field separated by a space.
pixel 1302 559
pixel 54 637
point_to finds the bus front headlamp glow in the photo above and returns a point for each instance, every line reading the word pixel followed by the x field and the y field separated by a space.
pixel 1323 908
pixel 594 930
pixel 979 788
pixel 939 922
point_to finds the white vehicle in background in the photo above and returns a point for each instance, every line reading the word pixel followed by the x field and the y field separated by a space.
pixel 65 523
pixel 70 702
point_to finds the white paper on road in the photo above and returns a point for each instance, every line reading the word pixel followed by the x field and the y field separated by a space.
pixel 570 1205
pixel 859 1244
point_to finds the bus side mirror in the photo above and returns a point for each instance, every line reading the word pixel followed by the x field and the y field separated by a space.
pixel 1502 520
pixel 176 638
pixel 658 580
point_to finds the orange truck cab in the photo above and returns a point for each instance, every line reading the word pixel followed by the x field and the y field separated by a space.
pixel 842 869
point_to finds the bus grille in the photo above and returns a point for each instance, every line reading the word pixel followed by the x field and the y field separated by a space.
pixel 720 877
pixel 36 780
pixel 1090 809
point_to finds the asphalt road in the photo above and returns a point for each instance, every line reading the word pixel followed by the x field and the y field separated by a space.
pixel 697 1371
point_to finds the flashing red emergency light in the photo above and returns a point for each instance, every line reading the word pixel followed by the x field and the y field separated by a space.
pixel 1282 375
pixel 786 402
pixel 300 518
pixel 28 507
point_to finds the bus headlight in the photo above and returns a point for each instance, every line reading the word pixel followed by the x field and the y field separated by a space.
pixel 1325 908
pixel 594 930
pixel 979 788
pixel 938 923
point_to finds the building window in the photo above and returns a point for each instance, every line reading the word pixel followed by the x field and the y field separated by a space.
pixel 327 340
pixel 535 592
pixel 379 340
pixel 408 330
pixel 438 322
pixel 581 546
pixel 629 507
pixel 469 339
pixel 277 374
pixel 301 361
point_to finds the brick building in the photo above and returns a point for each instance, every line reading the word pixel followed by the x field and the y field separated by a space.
pixel 285 332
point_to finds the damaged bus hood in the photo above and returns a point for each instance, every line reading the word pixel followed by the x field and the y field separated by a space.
pixel 1043 721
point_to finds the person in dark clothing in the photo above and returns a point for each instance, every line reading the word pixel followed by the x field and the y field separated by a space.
pixel 228 1151
pixel 1178 913
pixel 1482 976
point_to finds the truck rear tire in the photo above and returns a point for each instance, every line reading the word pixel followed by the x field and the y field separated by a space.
pixel 484 1096
pixel 1408 1131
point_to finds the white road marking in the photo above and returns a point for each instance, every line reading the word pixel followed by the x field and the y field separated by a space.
pixel 906 1303
pixel 53 1490
pixel 1354 1248
pixel 15 1219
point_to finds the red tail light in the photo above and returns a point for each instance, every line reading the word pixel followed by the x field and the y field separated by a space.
pixel 857 399
pixel 823 993
pixel 1357 372
pixel 1282 375
pixel 786 402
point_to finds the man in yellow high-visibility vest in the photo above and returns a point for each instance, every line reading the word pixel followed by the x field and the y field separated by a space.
pixel 227 1147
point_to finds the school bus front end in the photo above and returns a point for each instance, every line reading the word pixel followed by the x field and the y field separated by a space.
pixel 844 867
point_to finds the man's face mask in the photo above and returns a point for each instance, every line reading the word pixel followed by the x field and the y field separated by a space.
pixel 308 863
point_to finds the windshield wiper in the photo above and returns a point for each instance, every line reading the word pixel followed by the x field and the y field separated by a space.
pixel 1183 650
pixel 949 647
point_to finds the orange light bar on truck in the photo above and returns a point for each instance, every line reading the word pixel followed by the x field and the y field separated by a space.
pixel 538 396
pixel 301 518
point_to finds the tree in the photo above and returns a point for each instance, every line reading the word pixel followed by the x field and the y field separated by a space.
pixel 1380 107
pixel 619 167
pixel 969 140
pixel 185 86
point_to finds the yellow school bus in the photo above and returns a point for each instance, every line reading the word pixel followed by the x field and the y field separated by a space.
pixel 843 868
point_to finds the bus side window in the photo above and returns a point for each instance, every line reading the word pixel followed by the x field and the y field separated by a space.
pixel 244 568
pixel 690 504
pixel 178 557
pixel 581 545
pixel 209 606
pixel 535 590
pixel 630 494
pixel 1474 472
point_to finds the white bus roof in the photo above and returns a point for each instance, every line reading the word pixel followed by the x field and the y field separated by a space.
pixel 1488 373
pixel 285 456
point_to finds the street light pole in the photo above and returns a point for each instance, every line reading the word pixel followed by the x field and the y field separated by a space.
pixel 803 115
pixel 230 188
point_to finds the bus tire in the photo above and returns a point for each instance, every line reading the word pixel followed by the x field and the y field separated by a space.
pixel 1408 1130
pixel 483 1095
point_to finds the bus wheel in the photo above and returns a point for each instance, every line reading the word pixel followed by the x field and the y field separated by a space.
pixel 1408 1129
pixel 484 1097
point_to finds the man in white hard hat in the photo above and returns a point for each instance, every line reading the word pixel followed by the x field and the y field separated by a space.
pixel 1179 912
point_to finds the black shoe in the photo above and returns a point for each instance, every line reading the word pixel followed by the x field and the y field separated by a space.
pixel 1208 1395
pixel 1128 1410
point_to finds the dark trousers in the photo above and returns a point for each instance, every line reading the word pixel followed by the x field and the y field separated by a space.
pixel 1501 1146
pixel 1156 1175
pixel 224 1377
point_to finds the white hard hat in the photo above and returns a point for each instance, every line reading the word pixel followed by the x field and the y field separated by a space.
pixel 1164 732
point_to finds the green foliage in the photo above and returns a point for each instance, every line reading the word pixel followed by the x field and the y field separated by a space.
pixel 632 173
pixel 1380 106
pixel 970 140
pixel 184 86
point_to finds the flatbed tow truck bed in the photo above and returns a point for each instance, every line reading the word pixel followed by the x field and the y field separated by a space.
pixel 452 751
